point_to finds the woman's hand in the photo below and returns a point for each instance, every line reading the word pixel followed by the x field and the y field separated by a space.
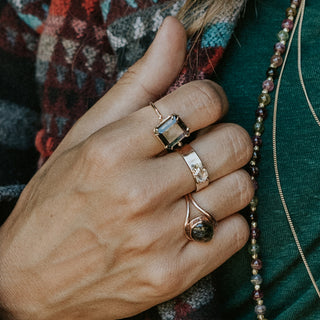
pixel 98 233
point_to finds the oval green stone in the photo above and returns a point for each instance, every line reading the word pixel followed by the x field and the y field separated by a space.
pixel 202 231
pixel 256 279
pixel 282 35
pixel 264 98
pixel 258 127
pixel 254 201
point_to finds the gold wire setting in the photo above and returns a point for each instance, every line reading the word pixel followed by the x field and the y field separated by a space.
pixel 200 228
pixel 171 130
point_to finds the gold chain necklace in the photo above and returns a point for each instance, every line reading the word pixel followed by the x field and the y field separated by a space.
pixel 299 66
pixel 274 136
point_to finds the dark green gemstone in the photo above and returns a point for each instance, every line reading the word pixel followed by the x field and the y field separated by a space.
pixel 272 72
pixel 202 231
pixel 291 12
pixel 264 98
pixel 253 248
pixel 283 35
pixel 258 127
pixel 254 201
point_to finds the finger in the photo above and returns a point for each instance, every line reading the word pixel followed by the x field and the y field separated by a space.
pixel 145 81
pixel 224 149
pixel 221 198
pixel 199 258
pixel 199 103
pixel 149 78
pixel 189 261
pixel 224 196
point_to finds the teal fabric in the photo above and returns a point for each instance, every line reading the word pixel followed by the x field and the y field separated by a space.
pixel 222 29
pixel 288 292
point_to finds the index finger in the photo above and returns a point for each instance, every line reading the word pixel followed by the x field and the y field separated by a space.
pixel 198 103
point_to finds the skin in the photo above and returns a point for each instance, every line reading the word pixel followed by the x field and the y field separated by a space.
pixel 98 232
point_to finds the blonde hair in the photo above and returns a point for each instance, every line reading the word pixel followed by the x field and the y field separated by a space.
pixel 197 14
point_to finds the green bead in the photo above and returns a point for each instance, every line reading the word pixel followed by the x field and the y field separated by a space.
pixel 258 127
pixel 283 35
pixel 254 201
pixel 253 249
pixel 264 98
pixel 291 12
pixel 256 279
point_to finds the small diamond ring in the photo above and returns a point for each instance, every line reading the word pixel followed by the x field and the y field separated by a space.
pixel 199 172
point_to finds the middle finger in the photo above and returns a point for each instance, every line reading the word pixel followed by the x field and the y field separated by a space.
pixel 225 149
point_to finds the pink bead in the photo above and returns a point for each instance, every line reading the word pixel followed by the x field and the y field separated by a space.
pixel 257 294
pixel 262 112
pixel 255 233
pixel 276 60
pixel 296 2
pixel 256 141
pixel 256 264
pixel 268 85
pixel 279 47
pixel 287 23
pixel 255 184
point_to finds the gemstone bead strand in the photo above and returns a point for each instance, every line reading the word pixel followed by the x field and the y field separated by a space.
pixel 261 113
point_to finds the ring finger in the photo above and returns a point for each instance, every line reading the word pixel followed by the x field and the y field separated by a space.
pixel 222 199
pixel 225 196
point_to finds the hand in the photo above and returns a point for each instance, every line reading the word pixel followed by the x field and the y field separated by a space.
pixel 98 233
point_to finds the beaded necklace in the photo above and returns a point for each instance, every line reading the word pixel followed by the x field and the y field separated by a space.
pixel 264 99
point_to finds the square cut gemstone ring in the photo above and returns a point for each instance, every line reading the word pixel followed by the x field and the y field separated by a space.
pixel 171 131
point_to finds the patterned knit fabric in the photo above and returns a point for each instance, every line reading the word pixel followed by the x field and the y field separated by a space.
pixel 57 59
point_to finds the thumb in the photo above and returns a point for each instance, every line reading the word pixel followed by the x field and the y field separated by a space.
pixel 145 81
pixel 151 76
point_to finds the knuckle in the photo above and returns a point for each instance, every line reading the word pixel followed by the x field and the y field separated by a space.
pixel 131 77
pixel 92 152
pixel 101 153
pixel 208 99
pixel 241 231
pixel 134 199
pixel 245 186
pixel 164 281
pixel 239 141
